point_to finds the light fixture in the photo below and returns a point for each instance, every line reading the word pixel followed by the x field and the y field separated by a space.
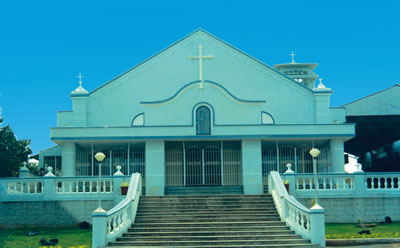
pixel 99 157
pixel 314 152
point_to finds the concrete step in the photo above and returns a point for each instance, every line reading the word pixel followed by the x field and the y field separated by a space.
pixel 209 219
pixel 208 201
pixel 209 233
pixel 227 206
pixel 166 197
pixel 209 242
pixel 212 224
pixel 208 228
pixel 205 214
pixel 209 237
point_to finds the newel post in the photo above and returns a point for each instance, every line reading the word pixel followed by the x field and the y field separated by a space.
pixel 359 183
pixel 318 226
pixel 99 229
pixel 49 187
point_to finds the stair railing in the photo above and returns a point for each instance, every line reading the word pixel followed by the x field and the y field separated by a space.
pixel 109 225
pixel 309 223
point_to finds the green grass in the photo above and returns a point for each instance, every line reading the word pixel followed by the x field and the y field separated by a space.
pixel 68 237
pixel 350 231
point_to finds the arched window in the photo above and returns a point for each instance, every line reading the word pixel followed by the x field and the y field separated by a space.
pixel 203 121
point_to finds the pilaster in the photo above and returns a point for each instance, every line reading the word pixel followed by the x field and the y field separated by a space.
pixel 252 171
pixel 68 159
pixel 337 155
pixel 155 176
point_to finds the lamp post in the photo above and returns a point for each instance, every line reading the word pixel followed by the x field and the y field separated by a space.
pixel 314 153
pixel 99 157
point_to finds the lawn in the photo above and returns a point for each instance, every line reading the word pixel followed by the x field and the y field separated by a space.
pixel 68 237
pixel 350 231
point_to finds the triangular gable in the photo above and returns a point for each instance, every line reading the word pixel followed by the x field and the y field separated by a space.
pixel 200 30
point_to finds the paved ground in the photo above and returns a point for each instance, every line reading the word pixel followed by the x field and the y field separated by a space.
pixel 369 246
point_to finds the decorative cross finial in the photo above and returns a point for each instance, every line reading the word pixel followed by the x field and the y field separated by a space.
pixel 292 54
pixel 80 78
pixel 200 58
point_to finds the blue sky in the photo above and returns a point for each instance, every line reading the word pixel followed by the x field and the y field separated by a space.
pixel 45 44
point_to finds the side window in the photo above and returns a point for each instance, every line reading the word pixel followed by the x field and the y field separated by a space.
pixel 203 121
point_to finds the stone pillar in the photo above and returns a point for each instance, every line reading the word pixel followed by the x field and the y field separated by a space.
pixel 99 234
pixel 337 155
pixel 318 226
pixel 155 175
pixel 68 159
pixel 252 167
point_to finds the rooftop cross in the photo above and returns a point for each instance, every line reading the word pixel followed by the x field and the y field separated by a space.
pixel 292 54
pixel 200 58
pixel 80 78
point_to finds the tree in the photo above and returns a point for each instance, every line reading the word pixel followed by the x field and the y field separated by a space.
pixel 12 152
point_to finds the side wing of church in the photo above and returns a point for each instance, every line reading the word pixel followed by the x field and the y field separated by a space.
pixel 201 112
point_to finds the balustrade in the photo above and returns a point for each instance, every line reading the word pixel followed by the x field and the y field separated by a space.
pixel 24 186
pixel 382 182
pixel 83 185
pixel 325 182
pixel 309 223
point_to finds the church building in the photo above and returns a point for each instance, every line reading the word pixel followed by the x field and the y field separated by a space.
pixel 201 113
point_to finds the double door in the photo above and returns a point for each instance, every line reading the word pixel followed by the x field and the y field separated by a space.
pixel 203 165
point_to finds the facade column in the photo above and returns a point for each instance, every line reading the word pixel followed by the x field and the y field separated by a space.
pixel 252 167
pixel 68 159
pixel 337 155
pixel 155 167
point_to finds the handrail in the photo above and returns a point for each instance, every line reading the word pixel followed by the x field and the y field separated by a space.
pixel 107 226
pixel 309 223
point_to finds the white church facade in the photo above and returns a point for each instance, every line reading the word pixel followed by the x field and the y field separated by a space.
pixel 201 112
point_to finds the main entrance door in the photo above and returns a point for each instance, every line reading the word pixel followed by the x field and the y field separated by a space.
pixel 196 163
pixel 203 165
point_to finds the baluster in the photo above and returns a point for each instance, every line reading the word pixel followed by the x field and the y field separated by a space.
pixel 301 220
pixel 372 183
pixel 109 225
pixel 91 186
pixel 308 223
pixel 324 183
pixel 379 183
pixel 35 188
pixel 297 183
pixel 70 187
pixel 111 187
pixel 115 222
pixel 77 187
pixel 15 188
pixel 29 187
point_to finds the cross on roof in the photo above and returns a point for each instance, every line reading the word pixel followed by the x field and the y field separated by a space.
pixel 292 54
pixel 200 57
pixel 80 78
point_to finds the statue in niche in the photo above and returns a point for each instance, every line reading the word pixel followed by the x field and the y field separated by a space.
pixel 203 125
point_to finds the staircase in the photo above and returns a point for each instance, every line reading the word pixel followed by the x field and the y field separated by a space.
pixel 209 221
